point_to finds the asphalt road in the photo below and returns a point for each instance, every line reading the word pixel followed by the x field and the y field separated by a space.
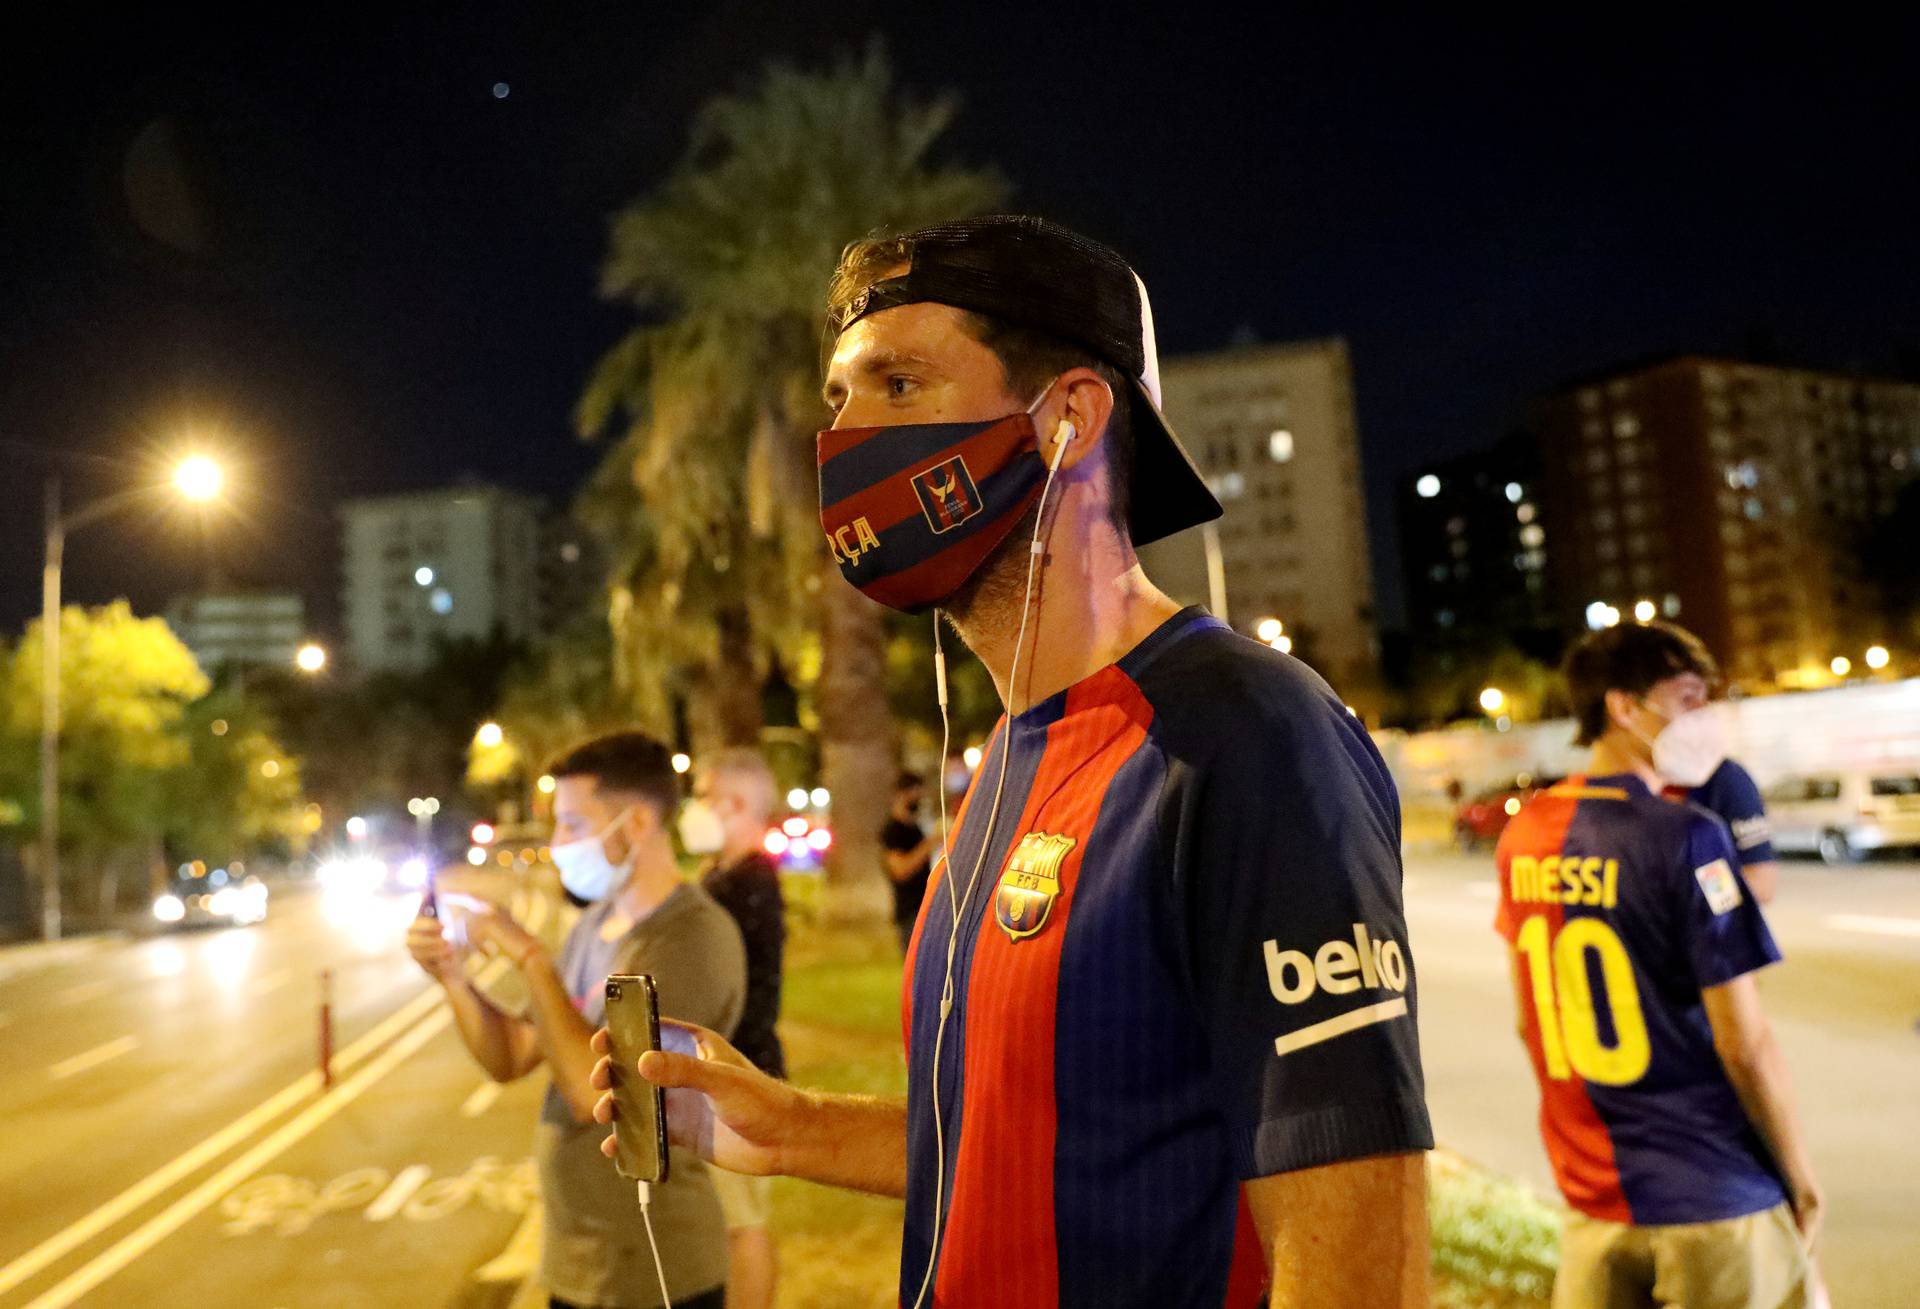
pixel 1846 1005
pixel 165 1139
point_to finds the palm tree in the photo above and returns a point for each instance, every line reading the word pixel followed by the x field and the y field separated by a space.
pixel 718 391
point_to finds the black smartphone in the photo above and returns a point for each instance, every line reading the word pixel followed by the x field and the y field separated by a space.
pixel 640 1107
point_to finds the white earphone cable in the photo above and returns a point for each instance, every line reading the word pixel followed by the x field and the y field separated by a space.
pixel 959 902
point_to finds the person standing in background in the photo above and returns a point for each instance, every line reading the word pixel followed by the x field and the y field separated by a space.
pixel 1732 794
pixel 909 850
pixel 734 794
pixel 613 809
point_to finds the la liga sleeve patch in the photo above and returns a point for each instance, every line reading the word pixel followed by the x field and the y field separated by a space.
pixel 1719 885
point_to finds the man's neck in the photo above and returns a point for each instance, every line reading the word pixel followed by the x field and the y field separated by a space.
pixel 654 878
pixel 1617 752
pixel 738 848
pixel 1091 603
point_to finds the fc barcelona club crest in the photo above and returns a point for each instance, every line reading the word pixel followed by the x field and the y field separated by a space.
pixel 947 494
pixel 1031 884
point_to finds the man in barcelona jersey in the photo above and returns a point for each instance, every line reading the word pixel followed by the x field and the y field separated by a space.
pixel 1665 1103
pixel 1160 1004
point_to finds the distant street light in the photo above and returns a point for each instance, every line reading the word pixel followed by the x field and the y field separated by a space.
pixel 489 735
pixel 1841 665
pixel 357 827
pixel 1877 657
pixel 310 658
pixel 423 575
pixel 1493 699
pixel 196 478
pixel 681 763
pixel 1269 629
pixel 546 784
pixel 1644 611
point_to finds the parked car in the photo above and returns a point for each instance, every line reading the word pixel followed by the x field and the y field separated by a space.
pixel 1478 822
pixel 1845 813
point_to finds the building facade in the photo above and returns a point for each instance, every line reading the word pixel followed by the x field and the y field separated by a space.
pixel 1272 430
pixel 1473 547
pixel 234 628
pixel 438 565
pixel 1733 498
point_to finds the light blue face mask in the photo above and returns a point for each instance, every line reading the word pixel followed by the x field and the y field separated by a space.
pixel 586 871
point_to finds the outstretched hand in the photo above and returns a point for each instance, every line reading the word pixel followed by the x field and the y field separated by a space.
pixel 718 1104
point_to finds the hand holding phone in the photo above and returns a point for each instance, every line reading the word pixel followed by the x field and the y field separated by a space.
pixel 640 1110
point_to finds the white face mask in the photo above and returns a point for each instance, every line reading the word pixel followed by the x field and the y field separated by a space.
pixel 1691 747
pixel 701 830
pixel 585 869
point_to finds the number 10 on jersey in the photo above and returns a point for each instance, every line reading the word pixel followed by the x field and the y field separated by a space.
pixel 1563 1001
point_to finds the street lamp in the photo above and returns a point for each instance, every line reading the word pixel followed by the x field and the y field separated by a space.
pixel 1493 699
pixel 196 478
pixel 1269 629
pixel 310 658
pixel 489 735
pixel 1877 657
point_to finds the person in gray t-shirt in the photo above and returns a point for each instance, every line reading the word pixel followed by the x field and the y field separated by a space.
pixel 613 803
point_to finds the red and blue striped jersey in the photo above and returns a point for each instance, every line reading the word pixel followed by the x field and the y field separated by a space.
pixel 1620 908
pixel 1182 964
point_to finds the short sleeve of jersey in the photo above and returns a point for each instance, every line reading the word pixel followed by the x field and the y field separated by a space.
pixel 1287 876
pixel 1726 934
pixel 1733 794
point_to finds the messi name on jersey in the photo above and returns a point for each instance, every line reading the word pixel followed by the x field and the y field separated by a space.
pixel 1564 879
pixel 1031 884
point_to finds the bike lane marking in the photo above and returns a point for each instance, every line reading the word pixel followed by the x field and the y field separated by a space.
pixel 65 1241
pixel 209 1192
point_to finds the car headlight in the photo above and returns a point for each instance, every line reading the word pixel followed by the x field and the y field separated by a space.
pixel 169 909
pixel 222 903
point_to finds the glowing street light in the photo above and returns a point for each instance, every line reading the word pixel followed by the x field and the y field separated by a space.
pixel 1643 611
pixel 1269 629
pixel 820 795
pixel 489 735
pixel 198 478
pixel 546 784
pixel 971 757
pixel 797 798
pixel 423 576
pixel 1877 657
pixel 1841 665
pixel 357 827
pixel 682 762
pixel 1493 699
pixel 1283 643
pixel 310 658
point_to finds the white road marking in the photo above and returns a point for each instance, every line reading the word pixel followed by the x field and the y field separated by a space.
pixel 1340 1025
pixel 398 1193
pixel 84 991
pixel 163 1178
pixel 208 1193
pixel 481 1100
pixel 91 1058
pixel 1874 925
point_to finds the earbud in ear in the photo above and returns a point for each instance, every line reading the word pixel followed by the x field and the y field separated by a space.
pixel 1064 433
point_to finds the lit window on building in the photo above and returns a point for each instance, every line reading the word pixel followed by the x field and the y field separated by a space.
pixel 1626 427
pixel 1280 445
pixel 1752 508
pixel 1515 492
pixel 1525 513
pixel 441 601
pixel 1427 487
pixel 1670 606
pixel 1531 535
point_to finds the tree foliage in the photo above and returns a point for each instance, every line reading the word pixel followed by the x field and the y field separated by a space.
pixel 720 567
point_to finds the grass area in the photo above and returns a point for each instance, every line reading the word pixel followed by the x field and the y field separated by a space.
pixel 1494 1243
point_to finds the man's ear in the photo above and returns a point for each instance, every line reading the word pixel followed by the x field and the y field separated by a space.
pixel 1621 707
pixel 1085 405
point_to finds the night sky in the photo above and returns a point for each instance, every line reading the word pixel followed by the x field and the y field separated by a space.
pixel 327 242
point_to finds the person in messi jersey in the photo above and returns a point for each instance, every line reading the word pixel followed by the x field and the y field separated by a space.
pixel 1159 1007
pixel 1665 1103
pixel 1731 793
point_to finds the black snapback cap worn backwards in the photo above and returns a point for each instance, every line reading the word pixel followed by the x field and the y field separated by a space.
pixel 1036 274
